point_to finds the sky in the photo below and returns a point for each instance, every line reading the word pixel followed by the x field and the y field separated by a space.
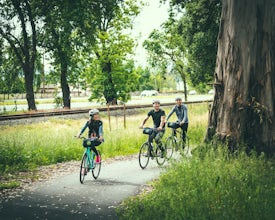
pixel 150 18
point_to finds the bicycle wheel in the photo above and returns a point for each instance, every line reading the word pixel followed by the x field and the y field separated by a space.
pixel 170 145
pixel 97 167
pixel 144 155
pixel 185 147
pixel 83 168
pixel 160 155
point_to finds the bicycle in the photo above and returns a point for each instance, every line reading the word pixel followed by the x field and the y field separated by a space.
pixel 173 143
pixel 148 150
pixel 88 162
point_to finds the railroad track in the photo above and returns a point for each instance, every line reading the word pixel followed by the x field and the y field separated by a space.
pixel 84 110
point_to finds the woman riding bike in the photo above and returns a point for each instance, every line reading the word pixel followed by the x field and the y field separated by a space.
pixel 95 135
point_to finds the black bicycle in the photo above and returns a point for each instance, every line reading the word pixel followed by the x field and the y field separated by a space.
pixel 149 150
pixel 88 163
pixel 174 143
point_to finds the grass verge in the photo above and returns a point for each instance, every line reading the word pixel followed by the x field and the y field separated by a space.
pixel 210 185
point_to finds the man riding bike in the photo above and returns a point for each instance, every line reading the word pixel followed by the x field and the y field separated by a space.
pixel 181 111
pixel 158 116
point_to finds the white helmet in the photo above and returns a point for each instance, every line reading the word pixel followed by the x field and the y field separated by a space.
pixel 156 101
pixel 92 112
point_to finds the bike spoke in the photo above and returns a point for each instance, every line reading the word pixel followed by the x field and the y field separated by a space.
pixel 144 155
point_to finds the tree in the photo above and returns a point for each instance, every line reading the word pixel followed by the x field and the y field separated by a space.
pixel 167 49
pixel 198 27
pixel 61 22
pixel 18 28
pixel 11 76
pixel 111 72
pixel 243 111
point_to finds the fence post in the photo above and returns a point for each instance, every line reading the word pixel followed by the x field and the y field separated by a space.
pixel 124 114
pixel 109 118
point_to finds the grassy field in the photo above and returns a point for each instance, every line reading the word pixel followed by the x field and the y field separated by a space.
pixel 24 147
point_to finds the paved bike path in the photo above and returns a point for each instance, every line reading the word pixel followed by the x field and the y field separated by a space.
pixel 66 198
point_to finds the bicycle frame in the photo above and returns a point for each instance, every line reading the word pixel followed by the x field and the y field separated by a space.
pixel 88 163
pixel 179 144
pixel 90 157
pixel 149 149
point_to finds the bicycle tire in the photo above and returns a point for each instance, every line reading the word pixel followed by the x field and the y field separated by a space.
pixel 160 157
pixel 83 168
pixel 186 147
pixel 144 155
pixel 170 145
pixel 97 166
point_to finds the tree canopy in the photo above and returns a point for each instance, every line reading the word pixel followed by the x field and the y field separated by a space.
pixel 18 29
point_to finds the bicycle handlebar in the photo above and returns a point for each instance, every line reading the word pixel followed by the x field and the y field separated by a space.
pixel 93 138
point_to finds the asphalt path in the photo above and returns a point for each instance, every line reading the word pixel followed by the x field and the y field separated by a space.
pixel 65 198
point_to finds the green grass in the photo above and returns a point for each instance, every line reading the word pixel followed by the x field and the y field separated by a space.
pixel 210 185
pixel 9 185
pixel 25 147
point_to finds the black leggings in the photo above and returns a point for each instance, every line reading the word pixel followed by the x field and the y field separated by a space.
pixel 92 144
pixel 184 129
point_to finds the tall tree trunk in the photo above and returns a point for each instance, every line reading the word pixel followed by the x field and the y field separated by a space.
pixel 244 101
pixel 109 88
pixel 183 77
pixel 28 73
pixel 65 86
pixel 24 46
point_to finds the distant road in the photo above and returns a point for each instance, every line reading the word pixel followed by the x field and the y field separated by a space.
pixel 84 103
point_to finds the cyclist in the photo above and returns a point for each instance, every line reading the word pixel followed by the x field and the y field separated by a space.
pixel 181 111
pixel 158 116
pixel 95 135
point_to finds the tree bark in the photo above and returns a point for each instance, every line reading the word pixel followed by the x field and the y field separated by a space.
pixel 28 73
pixel 25 51
pixel 109 87
pixel 65 86
pixel 244 101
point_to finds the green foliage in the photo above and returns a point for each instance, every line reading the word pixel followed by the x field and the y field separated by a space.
pixel 165 48
pixel 11 79
pixel 111 73
pixel 58 101
pixel 187 41
pixel 199 27
pixel 18 29
pixel 9 185
pixel 210 185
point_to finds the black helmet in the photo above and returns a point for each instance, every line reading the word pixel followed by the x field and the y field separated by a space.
pixel 92 112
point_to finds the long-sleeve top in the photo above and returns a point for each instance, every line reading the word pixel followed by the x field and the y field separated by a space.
pixel 181 112
pixel 95 128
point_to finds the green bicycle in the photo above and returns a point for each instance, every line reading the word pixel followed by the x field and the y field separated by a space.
pixel 88 163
